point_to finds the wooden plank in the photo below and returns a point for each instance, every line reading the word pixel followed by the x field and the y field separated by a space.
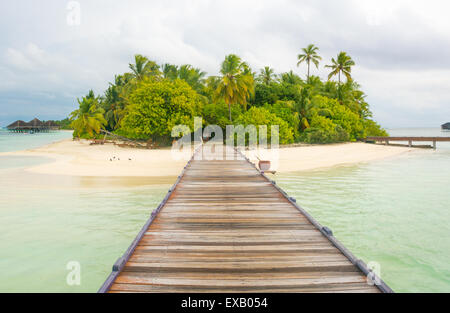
pixel 225 228
pixel 350 287
pixel 215 283
pixel 128 277
pixel 237 267
pixel 408 138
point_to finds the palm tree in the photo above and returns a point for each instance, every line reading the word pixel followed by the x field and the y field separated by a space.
pixel 115 100
pixel 309 55
pixel 193 76
pixel 236 83
pixel 111 105
pixel 143 67
pixel 290 78
pixel 303 107
pixel 343 64
pixel 170 71
pixel 266 75
pixel 211 85
pixel 88 119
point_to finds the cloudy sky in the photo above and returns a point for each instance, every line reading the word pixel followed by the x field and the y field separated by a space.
pixel 401 48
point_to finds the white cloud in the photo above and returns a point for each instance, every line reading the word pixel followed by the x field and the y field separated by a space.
pixel 401 47
pixel 18 59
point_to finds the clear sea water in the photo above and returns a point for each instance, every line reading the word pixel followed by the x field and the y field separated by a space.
pixel 47 221
pixel 393 211
pixel 12 142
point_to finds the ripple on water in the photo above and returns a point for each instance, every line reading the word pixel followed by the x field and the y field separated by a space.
pixel 394 212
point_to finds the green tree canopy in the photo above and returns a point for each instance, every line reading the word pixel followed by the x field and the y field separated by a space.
pixel 309 55
pixel 149 99
pixel 170 71
pixel 236 83
pixel 155 107
pixel 342 64
pixel 290 78
pixel 143 67
pixel 286 111
pixel 261 116
pixel 115 100
pixel 193 76
pixel 88 119
pixel 266 75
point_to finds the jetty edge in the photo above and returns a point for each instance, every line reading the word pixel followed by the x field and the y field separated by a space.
pixel 226 227
pixel 410 140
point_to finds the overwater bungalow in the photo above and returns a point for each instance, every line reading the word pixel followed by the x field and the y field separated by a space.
pixel 32 126
pixel 446 126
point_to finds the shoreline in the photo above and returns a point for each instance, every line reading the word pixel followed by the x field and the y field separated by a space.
pixel 323 156
pixel 78 158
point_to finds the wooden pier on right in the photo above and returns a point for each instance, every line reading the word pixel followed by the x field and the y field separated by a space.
pixel 410 140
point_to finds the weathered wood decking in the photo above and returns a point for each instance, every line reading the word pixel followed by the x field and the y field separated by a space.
pixel 226 228
pixel 410 140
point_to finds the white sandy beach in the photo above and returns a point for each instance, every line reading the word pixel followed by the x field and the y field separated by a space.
pixel 310 157
pixel 78 158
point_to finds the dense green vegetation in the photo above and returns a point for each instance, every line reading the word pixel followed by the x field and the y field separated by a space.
pixel 63 124
pixel 148 101
pixel 89 118
pixel 155 107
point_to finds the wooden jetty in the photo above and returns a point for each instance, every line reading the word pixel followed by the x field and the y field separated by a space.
pixel 226 227
pixel 34 125
pixel 387 140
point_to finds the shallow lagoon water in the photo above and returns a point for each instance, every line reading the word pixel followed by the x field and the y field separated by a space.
pixel 13 141
pixel 393 211
pixel 48 221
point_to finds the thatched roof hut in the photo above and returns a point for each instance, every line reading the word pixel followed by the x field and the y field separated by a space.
pixel 446 126
pixel 17 124
pixel 50 124
pixel 35 123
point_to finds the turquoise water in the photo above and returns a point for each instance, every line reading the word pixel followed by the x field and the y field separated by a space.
pixel 47 221
pixel 14 142
pixel 393 211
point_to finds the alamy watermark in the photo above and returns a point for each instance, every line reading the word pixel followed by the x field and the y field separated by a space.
pixel 73 17
pixel 374 276
pixel 256 139
pixel 73 278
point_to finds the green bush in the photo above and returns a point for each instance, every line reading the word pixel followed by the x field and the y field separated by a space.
pixel 155 107
pixel 88 119
pixel 261 116
pixel 286 111
pixel 338 114
pixel 323 130
pixel 217 114
pixel 371 128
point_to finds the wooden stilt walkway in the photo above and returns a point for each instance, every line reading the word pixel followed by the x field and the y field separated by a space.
pixel 225 227
pixel 410 140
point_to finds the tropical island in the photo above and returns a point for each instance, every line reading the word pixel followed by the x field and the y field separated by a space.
pixel 142 106
pixel 146 102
